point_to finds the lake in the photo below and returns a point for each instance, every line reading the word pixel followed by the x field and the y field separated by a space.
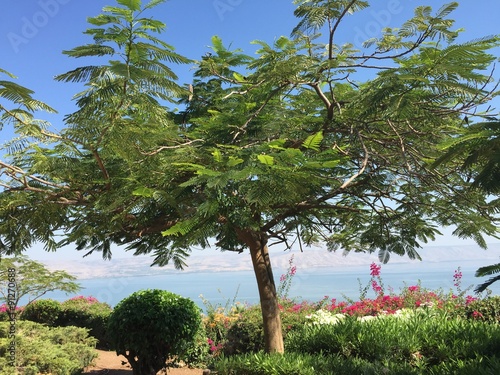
pixel 310 284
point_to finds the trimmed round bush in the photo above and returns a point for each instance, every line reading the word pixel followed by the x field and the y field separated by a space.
pixel 152 327
pixel 43 311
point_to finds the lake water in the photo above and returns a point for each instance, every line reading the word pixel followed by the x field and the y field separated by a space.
pixel 312 284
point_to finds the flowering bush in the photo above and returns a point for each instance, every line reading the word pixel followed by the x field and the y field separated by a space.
pixel 88 300
pixel 217 325
pixel 4 312
pixel 324 317
pixel 87 312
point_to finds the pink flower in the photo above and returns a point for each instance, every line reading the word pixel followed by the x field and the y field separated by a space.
pixel 457 277
pixel 414 288
pixel 376 288
pixel 375 270
pixel 469 299
pixel 477 315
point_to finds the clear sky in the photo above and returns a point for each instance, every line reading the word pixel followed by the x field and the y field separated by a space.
pixel 33 33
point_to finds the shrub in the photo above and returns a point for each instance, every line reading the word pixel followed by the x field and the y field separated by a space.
pixel 87 312
pixel 486 310
pixel 422 339
pixel 43 311
pixel 4 312
pixel 217 324
pixel 47 350
pixel 293 314
pixel 198 353
pixel 241 331
pixel 246 334
pixel 152 326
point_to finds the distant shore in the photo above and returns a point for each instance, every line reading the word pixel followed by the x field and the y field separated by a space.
pixel 212 260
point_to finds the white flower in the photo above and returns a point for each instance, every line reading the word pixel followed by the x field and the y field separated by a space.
pixel 365 318
pixel 321 317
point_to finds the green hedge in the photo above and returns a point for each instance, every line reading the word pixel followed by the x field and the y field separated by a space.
pixel 309 364
pixel 43 311
pixel 83 312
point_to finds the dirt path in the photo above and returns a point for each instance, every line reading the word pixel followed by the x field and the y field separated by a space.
pixel 108 363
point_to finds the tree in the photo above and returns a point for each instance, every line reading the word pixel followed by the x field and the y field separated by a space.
pixel 310 142
pixel 477 151
pixel 151 327
pixel 32 280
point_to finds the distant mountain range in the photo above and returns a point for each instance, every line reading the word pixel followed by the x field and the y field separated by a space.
pixel 212 260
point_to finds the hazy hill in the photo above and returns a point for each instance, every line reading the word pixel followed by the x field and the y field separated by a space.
pixel 212 260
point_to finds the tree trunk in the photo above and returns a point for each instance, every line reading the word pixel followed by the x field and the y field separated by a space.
pixel 144 365
pixel 273 335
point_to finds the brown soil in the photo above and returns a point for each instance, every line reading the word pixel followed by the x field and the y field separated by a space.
pixel 108 363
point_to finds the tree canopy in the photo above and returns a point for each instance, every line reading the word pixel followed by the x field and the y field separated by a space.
pixel 309 142
pixel 32 280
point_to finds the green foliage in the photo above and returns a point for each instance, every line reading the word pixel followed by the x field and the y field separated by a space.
pixel 151 327
pixel 47 350
pixel 21 116
pixel 245 334
pixel 33 279
pixel 486 310
pixel 424 340
pixel 307 364
pixel 87 312
pixel 261 364
pixel 487 270
pixel 197 353
pixel 43 311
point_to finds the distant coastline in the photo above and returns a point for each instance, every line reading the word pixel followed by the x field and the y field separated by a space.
pixel 212 260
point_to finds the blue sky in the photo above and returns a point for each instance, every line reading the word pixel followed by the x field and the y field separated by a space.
pixel 33 33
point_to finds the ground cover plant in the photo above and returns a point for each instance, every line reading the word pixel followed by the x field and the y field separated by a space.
pixel 46 350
